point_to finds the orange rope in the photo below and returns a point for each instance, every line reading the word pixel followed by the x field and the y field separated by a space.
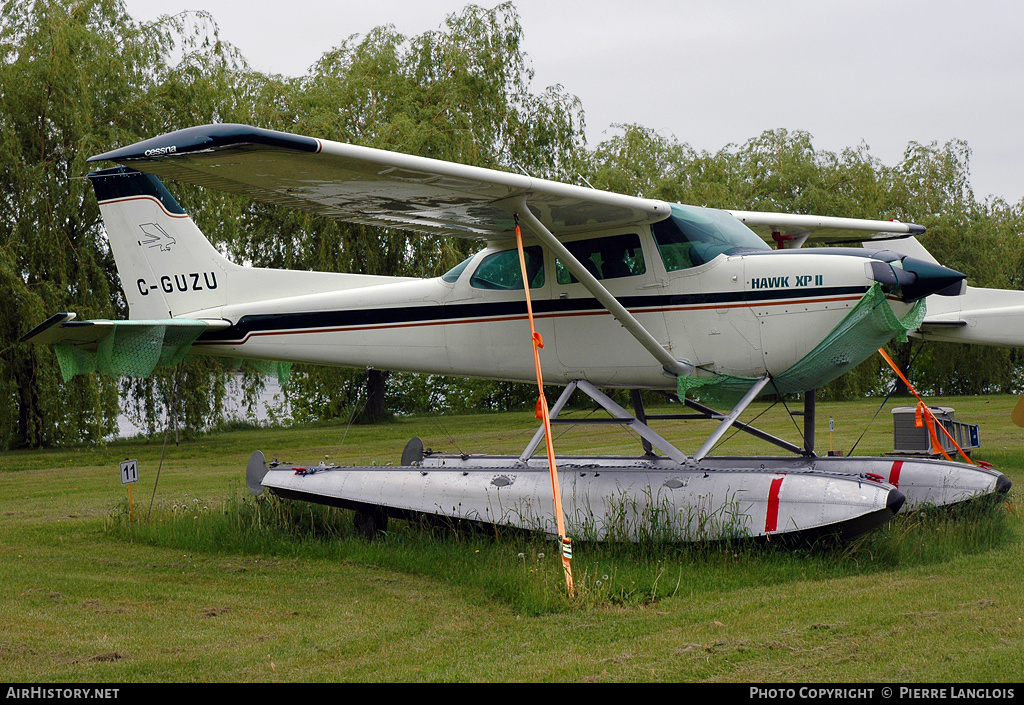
pixel 542 413
pixel 923 415
pixel 922 409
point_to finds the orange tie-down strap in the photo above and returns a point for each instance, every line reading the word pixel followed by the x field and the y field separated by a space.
pixel 924 415
pixel 543 414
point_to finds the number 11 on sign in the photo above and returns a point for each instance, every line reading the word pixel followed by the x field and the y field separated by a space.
pixel 130 475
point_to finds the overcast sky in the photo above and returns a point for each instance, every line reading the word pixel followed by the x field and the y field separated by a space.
pixel 715 72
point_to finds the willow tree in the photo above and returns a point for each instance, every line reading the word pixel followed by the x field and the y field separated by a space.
pixel 461 93
pixel 70 78
pixel 982 239
pixel 76 77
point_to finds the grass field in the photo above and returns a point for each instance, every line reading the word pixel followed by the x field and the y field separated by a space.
pixel 212 586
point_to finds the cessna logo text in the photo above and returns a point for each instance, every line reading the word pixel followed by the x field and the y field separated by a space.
pixel 193 281
pixel 157 151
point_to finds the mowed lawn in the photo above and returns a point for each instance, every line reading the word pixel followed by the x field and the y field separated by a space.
pixel 97 589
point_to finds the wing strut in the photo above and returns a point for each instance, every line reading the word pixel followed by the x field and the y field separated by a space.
pixel 622 315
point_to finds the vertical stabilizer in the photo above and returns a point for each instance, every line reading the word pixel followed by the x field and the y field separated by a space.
pixel 167 266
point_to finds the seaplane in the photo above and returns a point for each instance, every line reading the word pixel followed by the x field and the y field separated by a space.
pixel 610 291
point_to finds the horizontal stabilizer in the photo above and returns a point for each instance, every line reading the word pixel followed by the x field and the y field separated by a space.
pixel 133 348
pixel 977 323
pixel 975 315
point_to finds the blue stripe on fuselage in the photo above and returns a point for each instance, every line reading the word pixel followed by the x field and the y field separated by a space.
pixel 311 320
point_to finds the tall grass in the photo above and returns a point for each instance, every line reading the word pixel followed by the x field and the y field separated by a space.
pixel 233 589
pixel 523 570
pixel 933 534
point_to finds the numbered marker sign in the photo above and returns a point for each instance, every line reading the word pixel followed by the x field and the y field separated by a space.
pixel 129 471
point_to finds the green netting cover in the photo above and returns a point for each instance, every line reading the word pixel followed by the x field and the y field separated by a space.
pixel 131 348
pixel 867 327
pixel 270 368
pixel 267 368
pixel 136 348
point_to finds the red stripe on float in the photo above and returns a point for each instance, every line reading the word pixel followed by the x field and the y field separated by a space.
pixel 894 473
pixel 771 520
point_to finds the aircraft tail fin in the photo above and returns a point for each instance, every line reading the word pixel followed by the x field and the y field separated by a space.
pixel 979 315
pixel 177 285
pixel 905 246
pixel 167 266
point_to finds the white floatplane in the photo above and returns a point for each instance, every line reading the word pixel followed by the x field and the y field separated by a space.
pixel 626 292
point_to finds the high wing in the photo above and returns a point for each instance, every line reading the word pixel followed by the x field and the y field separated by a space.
pixel 376 187
pixel 791 230
pixel 382 188
pixel 392 190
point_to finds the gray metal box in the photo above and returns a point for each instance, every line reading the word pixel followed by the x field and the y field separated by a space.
pixel 908 439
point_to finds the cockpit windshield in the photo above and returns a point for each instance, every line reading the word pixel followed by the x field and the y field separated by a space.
pixel 453 274
pixel 692 236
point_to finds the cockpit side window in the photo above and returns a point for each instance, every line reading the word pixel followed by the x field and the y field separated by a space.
pixel 693 236
pixel 605 258
pixel 501 270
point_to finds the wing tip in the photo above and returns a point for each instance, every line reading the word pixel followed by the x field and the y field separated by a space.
pixel 204 138
pixel 54 320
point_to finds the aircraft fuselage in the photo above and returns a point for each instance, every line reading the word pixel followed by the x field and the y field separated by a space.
pixel 744 314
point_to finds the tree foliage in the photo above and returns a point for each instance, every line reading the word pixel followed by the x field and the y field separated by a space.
pixel 462 94
pixel 78 77
pixel 81 76
pixel 71 79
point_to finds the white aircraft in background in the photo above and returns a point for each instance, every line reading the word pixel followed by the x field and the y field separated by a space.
pixel 626 292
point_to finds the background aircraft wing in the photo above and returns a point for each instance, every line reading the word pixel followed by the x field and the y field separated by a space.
pixel 376 187
pixel 793 229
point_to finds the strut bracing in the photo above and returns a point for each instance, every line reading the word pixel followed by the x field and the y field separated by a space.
pixel 618 311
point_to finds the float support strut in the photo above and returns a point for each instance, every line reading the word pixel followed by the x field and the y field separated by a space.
pixel 809 408
pixel 620 415
pixel 728 421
